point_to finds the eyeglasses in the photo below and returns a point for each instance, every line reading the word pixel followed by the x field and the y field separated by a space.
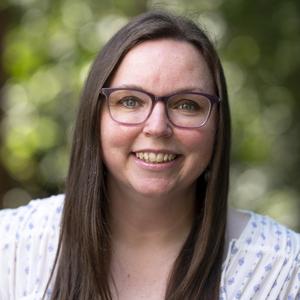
pixel 130 106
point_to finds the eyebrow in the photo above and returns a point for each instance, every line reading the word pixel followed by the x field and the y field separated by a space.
pixel 181 90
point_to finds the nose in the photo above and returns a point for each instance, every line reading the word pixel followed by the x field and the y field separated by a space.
pixel 158 124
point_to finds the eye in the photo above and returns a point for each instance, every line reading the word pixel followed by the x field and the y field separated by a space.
pixel 187 106
pixel 130 102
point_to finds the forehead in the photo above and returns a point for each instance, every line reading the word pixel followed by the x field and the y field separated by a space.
pixel 164 65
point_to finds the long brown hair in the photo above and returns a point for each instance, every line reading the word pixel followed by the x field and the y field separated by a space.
pixel 83 259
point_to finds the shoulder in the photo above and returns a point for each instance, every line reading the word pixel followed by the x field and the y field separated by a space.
pixel 263 232
pixel 37 214
pixel 263 263
pixel 252 230
pixel 28 242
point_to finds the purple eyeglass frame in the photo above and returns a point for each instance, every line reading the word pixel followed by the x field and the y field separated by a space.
pixel 212 99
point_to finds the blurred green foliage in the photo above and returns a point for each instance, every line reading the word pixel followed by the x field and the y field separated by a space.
pixel 47 50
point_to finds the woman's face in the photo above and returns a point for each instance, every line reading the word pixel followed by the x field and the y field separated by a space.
pixel 160 67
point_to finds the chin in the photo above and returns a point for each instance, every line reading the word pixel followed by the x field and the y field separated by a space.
pixel 154 189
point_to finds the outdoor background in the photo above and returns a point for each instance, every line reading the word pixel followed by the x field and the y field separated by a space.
pixel 46 48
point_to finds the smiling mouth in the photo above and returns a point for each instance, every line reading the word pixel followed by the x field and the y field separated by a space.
pixel 156 158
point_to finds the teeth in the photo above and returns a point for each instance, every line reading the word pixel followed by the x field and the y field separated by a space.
pixel 152 157
pixel 160 157
pixel 155 157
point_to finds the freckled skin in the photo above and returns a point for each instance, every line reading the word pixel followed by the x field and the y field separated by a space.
pixel 160 67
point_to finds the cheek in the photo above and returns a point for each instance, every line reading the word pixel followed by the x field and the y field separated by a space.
pixel 199 141
pixel 114 137
pixel 199 149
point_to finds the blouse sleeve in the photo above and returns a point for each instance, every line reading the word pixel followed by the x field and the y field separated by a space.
pixel 8 225
pixel 264 263
pixel 291 283
pixel 28 243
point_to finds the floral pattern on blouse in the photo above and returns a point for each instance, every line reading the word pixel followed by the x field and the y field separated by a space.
pixel 263 264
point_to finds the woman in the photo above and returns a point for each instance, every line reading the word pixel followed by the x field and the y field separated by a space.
pixel 145 210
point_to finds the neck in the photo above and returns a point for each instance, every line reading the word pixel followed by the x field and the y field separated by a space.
pixel 138 220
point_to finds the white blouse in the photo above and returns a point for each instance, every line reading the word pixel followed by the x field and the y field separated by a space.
pixel 264 263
